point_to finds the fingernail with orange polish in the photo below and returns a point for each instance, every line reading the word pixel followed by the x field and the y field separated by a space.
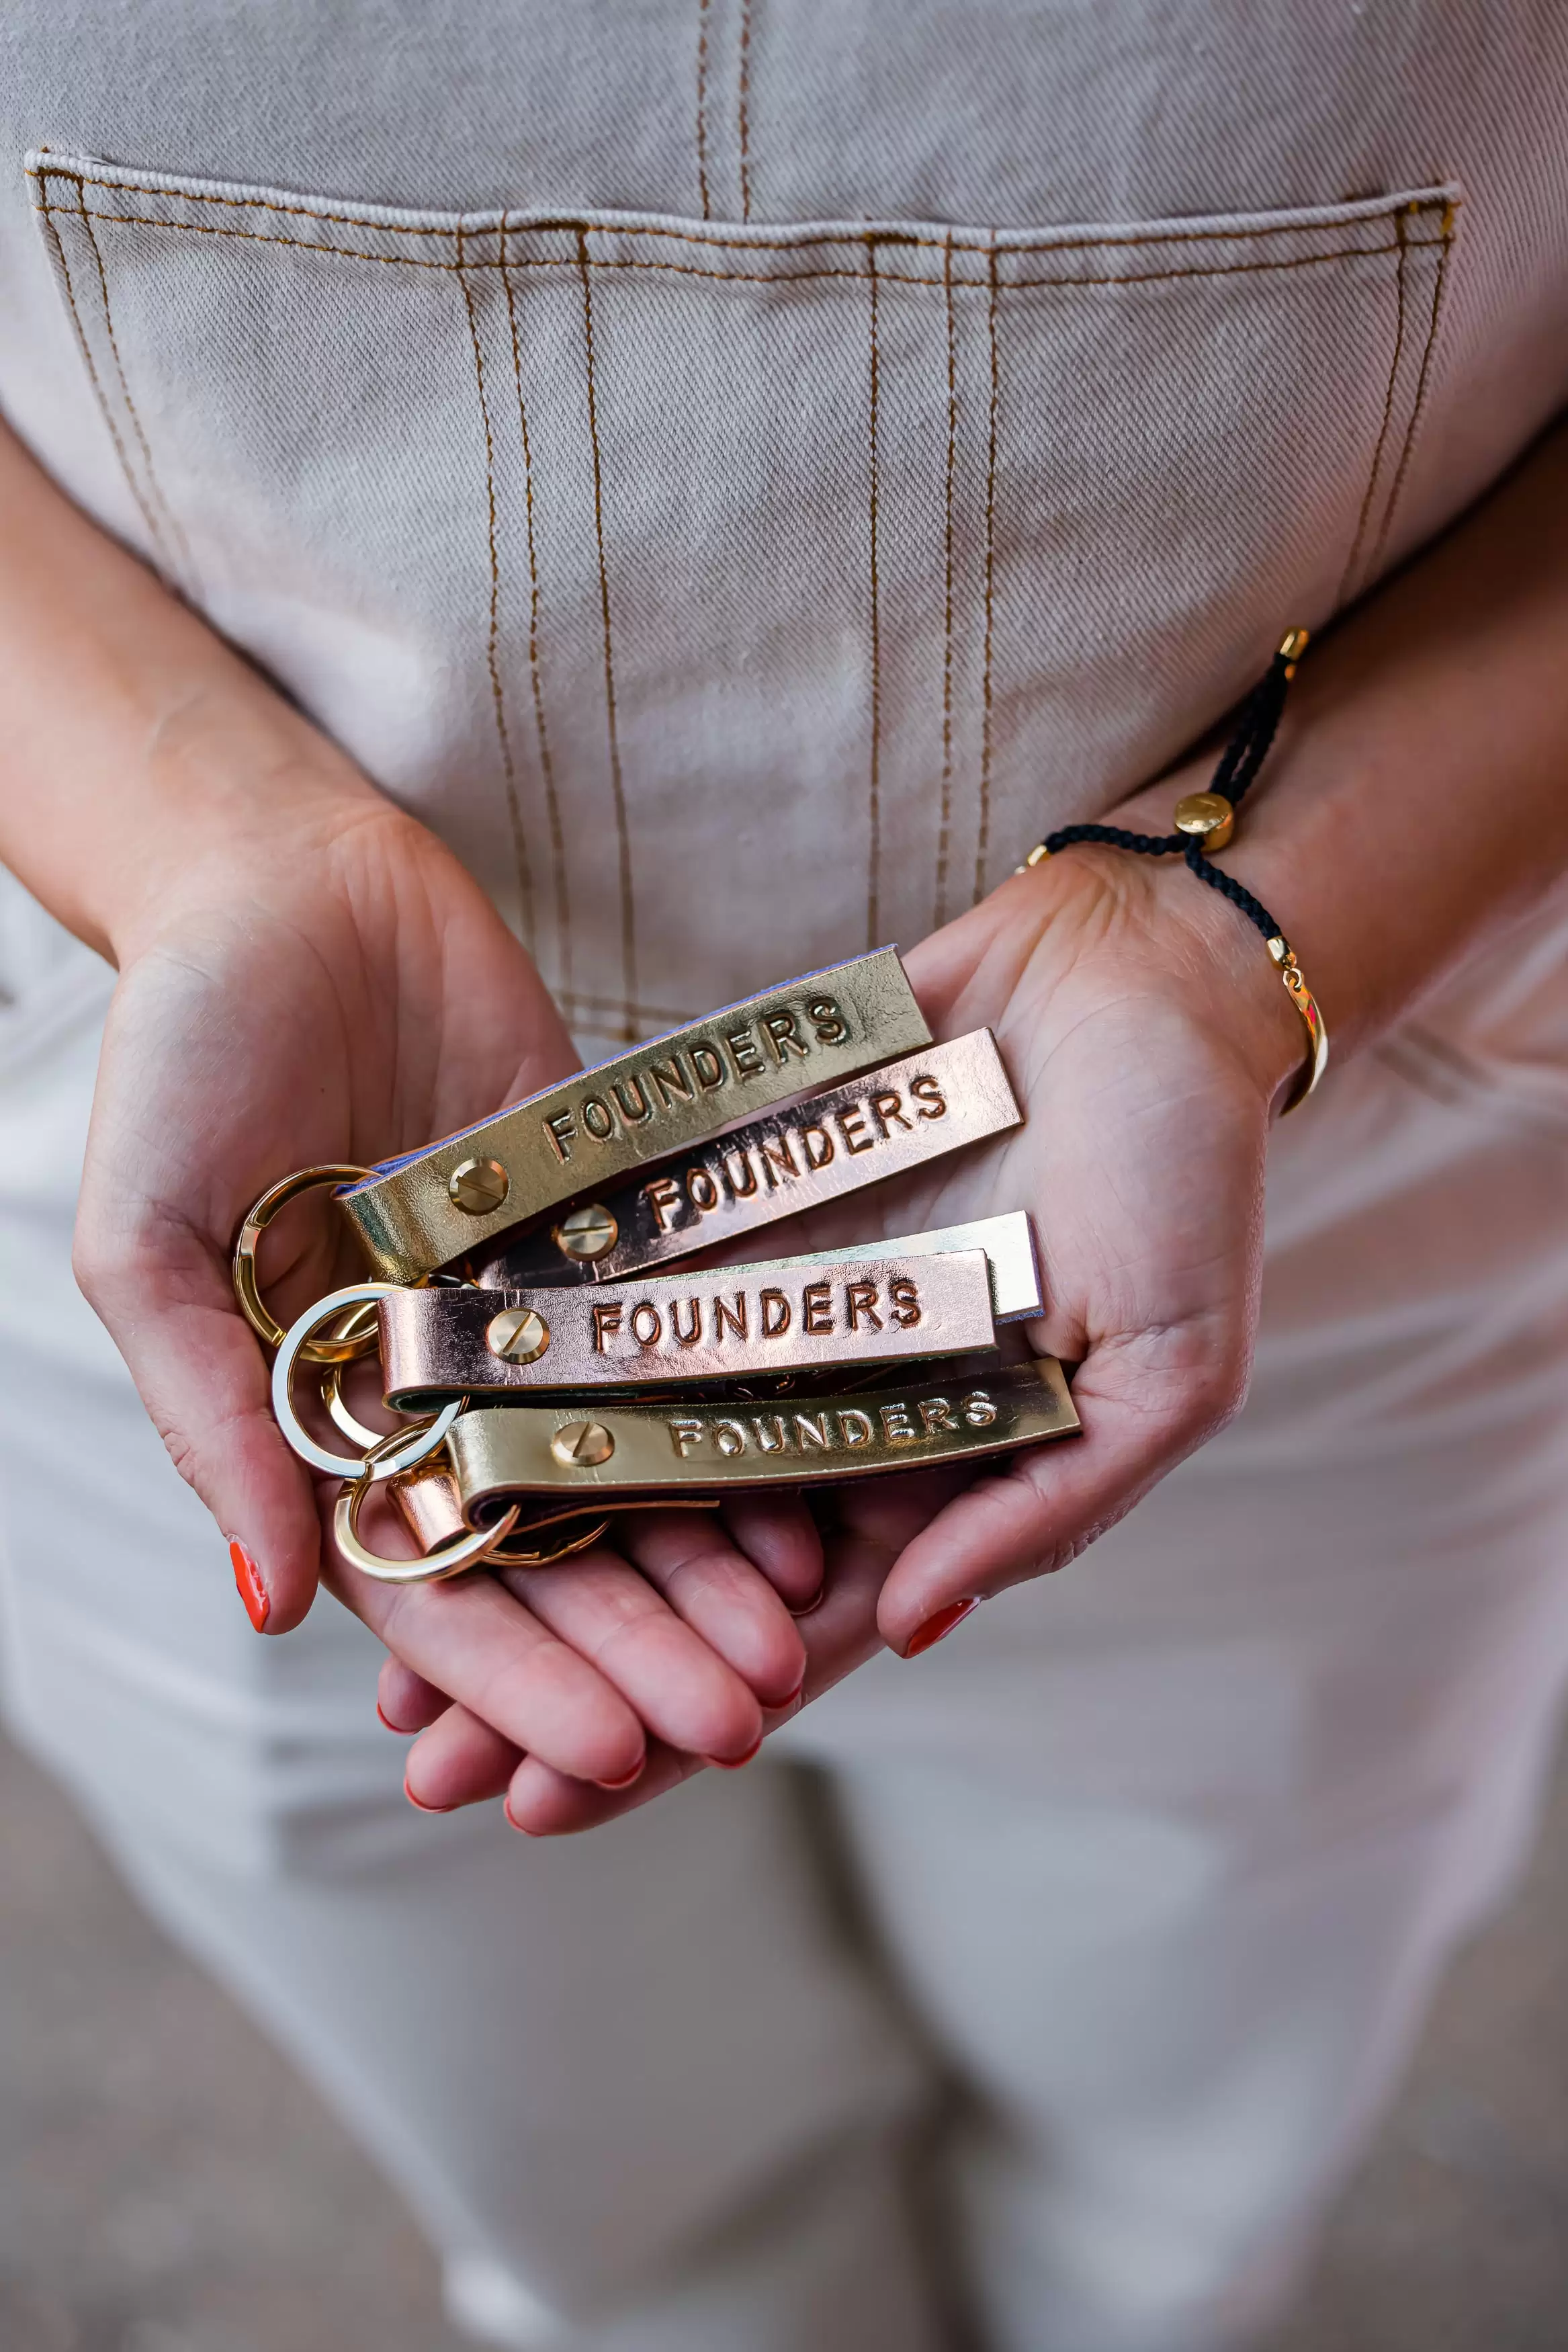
pixel 387 1721
pixel 926 1636
pixel 247 1579
pixel 626 1779
pixel 816 1601
pixel 421 1807
pixel 733 1763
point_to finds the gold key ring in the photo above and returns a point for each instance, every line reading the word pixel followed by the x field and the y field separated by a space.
pixel 353 1327
pixel 268 1329
pixel 447 1559
pixel 413 1444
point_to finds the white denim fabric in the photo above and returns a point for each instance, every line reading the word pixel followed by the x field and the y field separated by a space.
pixel 741 470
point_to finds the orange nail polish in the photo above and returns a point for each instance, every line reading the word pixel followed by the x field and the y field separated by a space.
pixel 387 1721
pixel 626 1780
pixel 733 1763
pixel 421 1807
pixel 926 1636
pixel 816 1601
pixel 247 1579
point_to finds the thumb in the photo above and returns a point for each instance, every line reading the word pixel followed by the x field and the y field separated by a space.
pixel 170 1309
pixel 1145 1402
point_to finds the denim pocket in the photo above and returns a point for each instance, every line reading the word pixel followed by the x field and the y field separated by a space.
pixel 733 597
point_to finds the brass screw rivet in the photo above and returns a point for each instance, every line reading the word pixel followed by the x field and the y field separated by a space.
pixel 479 1186
pixel 518 1335
pixel 582 1445
pixel 587 1231
pixel 1207 817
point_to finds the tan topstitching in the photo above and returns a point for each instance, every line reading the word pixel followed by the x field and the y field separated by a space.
pixel 497 694
pixel 739 277
pixel 945 817
pixel 743 109
pixel 691 234
pixel 983 839
pixel 547 765
pixel 155 485
pixel 628 930
pixel 874 876
pixel 702 107
pixel 1419 402
pixel 1351 559
pixel 132 485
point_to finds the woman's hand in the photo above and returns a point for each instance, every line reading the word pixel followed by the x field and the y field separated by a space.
pixel 1148 1036
pixel 324 983
pixel 306 975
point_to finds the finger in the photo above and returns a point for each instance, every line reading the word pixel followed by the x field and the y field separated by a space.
pixel 778 1533
pixel 891 1511
pixel 404 1700
pixel 543 1802
pixel 683 1692
pixel 1140 1419
pixel 459 1760
pixel 169 1307
pixel 473 1640
pixel 839 1635
pixel 685 1556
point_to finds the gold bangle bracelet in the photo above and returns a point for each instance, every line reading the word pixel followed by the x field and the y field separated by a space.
pixel 1306 1004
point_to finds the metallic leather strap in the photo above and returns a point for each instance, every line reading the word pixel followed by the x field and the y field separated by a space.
pixel 730 1323
pixel 418 1213
pixel 897 1118
pixel 626 1454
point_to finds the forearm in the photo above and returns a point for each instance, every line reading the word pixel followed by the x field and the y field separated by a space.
pixel 135 745
pixel 1417 797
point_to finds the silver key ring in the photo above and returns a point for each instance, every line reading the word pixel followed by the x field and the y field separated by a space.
pixel 422 1438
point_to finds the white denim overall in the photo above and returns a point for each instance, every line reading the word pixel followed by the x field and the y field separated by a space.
pixel 741 470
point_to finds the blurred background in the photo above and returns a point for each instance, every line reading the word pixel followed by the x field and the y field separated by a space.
pixel 168 2184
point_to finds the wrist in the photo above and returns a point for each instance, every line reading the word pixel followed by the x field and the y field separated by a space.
pixel 232 795
pixel 1149 926
pixel 1241 987
pixel 1275 1033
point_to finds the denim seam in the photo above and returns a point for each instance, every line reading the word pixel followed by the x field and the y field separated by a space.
pixel 95 379
pixel 743 110
pixel 497 692
pixel 1348 574
pixel 874 854
pixel 983 834
pixel 945 818
pixel 154 487
pixel 702 109
pixel 622 837
pixel 1418 406
pixel 1044 243
pixel 751 278
pixel 535 674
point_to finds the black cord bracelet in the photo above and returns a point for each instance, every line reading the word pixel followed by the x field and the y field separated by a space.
pixel 1206 822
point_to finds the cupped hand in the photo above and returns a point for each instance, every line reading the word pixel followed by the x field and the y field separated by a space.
pixel 1148 1039
pixel 307 976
